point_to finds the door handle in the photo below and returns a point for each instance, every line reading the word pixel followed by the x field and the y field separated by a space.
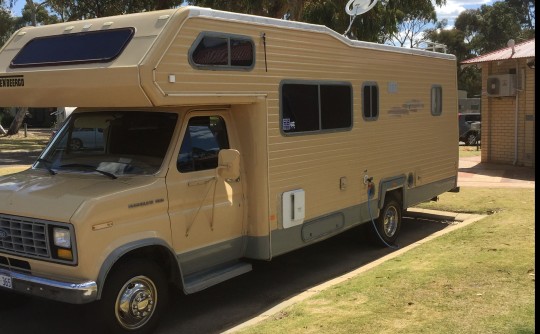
pixel 201 181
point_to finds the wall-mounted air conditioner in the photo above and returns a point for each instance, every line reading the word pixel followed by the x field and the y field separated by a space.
pixel 501 85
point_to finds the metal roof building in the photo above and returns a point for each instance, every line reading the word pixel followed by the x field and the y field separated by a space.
pixel 518 51
pixel 508 104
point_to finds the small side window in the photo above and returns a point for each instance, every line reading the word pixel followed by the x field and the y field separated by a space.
pixel 205 136
pixel 223 52
pixel 436 100
pixel 370 101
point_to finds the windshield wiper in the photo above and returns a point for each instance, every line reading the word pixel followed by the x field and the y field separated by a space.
pixel 111 175
pixel 47 165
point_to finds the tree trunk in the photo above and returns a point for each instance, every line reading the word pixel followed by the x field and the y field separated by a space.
pixel 32 7
pixel 17 121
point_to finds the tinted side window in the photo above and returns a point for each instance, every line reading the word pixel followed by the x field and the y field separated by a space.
pixel 300 108
pixel 370 101
pixel 219 51
pixel 309 107
pixel 204 137
pixel 336 107
pixel 436 100
pixel 84 47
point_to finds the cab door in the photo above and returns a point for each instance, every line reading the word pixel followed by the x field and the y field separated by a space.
pixel 206 210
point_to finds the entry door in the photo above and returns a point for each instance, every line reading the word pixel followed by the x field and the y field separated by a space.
pixel 206 210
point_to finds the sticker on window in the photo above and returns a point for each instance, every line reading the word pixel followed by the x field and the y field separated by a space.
pixel 288 125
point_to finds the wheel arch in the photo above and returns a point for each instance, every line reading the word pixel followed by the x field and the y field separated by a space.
pixel 154 249
pixel 394 187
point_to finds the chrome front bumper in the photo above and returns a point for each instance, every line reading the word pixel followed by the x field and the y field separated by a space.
pixel 68 292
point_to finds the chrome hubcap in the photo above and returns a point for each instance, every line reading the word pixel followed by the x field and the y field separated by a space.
pixel 390 221
pixel 136 302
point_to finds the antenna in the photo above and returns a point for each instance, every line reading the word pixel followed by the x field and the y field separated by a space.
pixel 511 43
pixel 359 7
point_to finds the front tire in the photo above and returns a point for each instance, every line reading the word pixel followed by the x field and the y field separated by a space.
pixel 134 296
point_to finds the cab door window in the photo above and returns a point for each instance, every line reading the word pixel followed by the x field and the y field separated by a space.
pixel 205 136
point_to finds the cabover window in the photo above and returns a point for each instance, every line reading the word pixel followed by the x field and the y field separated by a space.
pixel 436 100
pixel 370 101
pixel 221 51
pixel 83 47
pixel 308 107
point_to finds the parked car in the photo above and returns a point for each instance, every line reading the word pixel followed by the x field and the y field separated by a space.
pixel 84 139
pixel 469 128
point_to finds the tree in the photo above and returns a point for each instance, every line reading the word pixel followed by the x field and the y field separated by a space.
pixel 484 30
pixel 374 25
pixel 410 28
pixel 6 25
pixel 70 10
pixel 525 11
pixel 456 44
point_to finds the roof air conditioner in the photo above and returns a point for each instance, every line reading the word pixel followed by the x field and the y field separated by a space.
pixel 501 85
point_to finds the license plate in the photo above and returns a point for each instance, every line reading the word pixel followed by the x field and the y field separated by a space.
pixel 5 281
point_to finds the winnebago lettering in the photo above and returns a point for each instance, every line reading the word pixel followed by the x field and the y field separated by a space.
pixel 12 81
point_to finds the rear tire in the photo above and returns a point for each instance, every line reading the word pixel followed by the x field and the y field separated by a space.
pixel 472 139
pixel 75 144
pixel 134 296
pixel 388 224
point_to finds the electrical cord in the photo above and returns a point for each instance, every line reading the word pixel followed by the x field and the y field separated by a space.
pixel 373 221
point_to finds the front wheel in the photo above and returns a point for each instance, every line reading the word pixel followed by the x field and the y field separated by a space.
pixel 133 298
pixel 387 226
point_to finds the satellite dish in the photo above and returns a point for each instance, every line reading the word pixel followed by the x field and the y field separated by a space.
pixel 357 7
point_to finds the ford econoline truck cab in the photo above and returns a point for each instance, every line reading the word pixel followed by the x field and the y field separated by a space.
pixel 211 139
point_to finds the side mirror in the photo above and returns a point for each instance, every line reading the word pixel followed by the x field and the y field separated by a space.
pixel 229 164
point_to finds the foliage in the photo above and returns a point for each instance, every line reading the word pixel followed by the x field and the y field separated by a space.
pixel 374 25
pixel 69 10
pixel 6 25
pixel 482 30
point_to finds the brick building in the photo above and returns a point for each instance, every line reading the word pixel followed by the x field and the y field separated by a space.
pixel 508 104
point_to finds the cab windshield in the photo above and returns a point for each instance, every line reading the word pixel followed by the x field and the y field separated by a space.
pixel 112 143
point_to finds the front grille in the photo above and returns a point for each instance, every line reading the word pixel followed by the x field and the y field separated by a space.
pixel 14 264
pixel 24 236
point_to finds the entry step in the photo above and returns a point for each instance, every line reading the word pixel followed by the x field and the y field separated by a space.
pixel 207 278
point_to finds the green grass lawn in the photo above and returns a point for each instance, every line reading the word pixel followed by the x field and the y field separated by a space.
pixel 469 151
pixel 477 279
pixel 34 141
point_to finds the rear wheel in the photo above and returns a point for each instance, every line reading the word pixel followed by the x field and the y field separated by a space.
pixel 75 144
pixel 387 226
pixel 471 139
pixel 134 296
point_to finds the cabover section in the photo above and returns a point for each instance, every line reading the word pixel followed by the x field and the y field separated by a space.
pixel 89 63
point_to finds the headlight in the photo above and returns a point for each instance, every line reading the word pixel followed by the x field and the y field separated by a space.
pixel 62 237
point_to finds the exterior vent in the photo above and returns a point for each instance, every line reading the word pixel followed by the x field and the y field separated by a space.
pixel 501 85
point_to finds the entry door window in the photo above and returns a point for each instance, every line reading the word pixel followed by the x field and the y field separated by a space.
pixel 205 136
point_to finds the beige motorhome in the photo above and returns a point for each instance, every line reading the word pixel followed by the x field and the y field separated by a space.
pixel 208 139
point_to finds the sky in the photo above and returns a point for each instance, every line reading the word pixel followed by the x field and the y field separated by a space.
pixel 454 7
pixel 450 11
